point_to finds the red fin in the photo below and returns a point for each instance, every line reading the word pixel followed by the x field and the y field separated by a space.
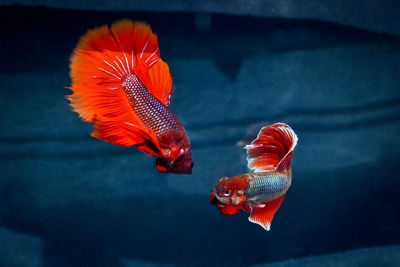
pixel 225 209
pixel 151 147
pixel 102 59
pixel 272 149
pixel 229 210
pixel 264 215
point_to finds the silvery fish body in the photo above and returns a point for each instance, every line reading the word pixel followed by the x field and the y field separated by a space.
pixel 267 186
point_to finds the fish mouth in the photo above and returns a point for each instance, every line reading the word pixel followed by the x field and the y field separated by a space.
pixel 215 200
pixel 216 195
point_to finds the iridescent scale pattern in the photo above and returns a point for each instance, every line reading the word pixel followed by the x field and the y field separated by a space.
pixel 154 114
pixel 267 186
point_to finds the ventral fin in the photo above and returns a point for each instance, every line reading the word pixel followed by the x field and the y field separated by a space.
pixel 264 215
pixel 151 147
pixel 228 209
pixel 272 149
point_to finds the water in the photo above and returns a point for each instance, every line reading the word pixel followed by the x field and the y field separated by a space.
pixel 71 200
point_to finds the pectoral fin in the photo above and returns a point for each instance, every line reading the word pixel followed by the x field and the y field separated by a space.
pixel 263 215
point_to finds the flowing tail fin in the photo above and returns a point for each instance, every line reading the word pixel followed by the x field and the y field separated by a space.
pixel 272 149
pixel 103 58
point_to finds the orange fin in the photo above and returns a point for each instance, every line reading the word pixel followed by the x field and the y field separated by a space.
pixel 145 57
pixel 102 59
pixel 125 134
pixel 264 215
pixel 160 84
pixel 272 149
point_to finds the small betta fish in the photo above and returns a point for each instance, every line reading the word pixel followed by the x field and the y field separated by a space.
pixel 260 193
pixel 121 85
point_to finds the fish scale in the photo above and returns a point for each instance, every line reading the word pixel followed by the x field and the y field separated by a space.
pixel 267 186
pixel 154 114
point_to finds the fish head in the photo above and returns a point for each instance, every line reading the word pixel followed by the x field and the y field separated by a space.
pixel 178 160
pixel 228 194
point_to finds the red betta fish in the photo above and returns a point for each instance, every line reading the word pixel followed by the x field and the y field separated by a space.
pixel 261 192
pixel 120 84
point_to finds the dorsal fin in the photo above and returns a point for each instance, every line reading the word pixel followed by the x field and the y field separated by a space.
pixel 143 46
pixel 272 149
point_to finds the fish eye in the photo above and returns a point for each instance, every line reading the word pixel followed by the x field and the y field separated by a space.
pixel 227 192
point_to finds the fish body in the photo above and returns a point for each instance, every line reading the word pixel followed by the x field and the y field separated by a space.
pixel 261 192
pixel 169 132
pixel 120 84
pixel 267 186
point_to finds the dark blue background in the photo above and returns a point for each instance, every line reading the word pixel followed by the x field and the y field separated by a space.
pixel 67 199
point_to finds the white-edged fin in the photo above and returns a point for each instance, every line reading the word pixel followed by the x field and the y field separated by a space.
pixel 272 148
pixel 291 137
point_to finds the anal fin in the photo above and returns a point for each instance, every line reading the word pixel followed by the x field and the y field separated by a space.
pixel 264 215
